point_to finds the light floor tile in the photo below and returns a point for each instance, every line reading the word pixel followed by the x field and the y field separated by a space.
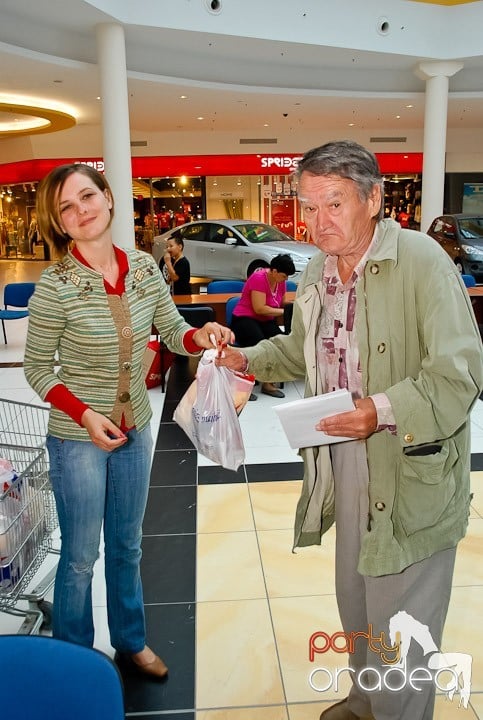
pixel 477 490
pixel 294 621
pixel 224 508
pixel 228 567
pixel 468 567
pixel 444 709
pixel 308 711
pixel 477 442
pixel 463 632
pixel 308 571
pixel 476 703
pixel 267 453
pixel 236 658
pixel 274 503
pixel 254 713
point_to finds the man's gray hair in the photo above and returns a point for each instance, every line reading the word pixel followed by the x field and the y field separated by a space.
pixel 346 159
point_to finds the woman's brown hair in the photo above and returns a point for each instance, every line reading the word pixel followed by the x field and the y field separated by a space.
pixel 48 192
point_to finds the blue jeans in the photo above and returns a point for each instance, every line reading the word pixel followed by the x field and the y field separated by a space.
pixel 92 487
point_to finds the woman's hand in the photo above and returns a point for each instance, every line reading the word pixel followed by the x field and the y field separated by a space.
pixel 359 423
pixel 103 433
pixel 213 335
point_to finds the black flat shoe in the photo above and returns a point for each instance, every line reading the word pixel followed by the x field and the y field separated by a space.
pixel 273 393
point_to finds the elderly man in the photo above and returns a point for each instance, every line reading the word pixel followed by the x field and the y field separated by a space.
pixel 382 312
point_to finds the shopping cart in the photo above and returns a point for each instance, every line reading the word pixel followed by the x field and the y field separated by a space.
pixel 27 513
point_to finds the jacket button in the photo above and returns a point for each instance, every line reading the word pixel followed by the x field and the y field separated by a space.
pixel 124 397
pixel 380 505
pixel 409 438
pixel 126 366
pixel 381 347
pixel 374 269
pixel 126 332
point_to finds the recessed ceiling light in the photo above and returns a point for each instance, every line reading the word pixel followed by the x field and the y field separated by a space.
pixel 183 97
pixel 409 106
pixel 200 118
pixel 398 117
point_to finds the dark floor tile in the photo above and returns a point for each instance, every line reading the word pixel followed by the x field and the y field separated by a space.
pixel 163 716
pixel 171 437
pixel 267 472
pixel 170 510
pixel 171 633
pixel 215 475
pixel 169 406
pixel 174 467
pixel 262 472
pixel 168 568
pixel 477 461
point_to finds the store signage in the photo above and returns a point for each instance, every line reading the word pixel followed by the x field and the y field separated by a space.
pixel 286 162
pixel 200 165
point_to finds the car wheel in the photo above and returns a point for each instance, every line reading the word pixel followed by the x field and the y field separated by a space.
pixel 459 265
pixel 255 265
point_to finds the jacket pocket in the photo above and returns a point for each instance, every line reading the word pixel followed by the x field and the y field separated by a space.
pixel 426 486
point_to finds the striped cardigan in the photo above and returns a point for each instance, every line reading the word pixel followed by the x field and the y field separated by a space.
pixel 71 322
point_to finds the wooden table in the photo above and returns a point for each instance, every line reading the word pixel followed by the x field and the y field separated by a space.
pixel 215 300
pixel 476 295
pixel 196 281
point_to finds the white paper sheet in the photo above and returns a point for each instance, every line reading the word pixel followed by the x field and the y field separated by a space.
pixel 300 417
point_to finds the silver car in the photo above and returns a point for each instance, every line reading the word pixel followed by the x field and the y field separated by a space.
pixel 233 249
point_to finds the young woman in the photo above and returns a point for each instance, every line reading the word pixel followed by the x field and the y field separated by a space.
pixel 91 314
pixel 175 267
pixel 261 303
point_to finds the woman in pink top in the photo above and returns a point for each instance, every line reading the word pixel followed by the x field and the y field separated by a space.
pixel 262 302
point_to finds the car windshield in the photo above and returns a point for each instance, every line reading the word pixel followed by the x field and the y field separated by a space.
pixel 472 228
pixel 261 233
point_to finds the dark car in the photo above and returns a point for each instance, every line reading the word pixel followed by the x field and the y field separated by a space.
pixel 461 235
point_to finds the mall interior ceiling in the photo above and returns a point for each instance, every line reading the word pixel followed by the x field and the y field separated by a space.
pixel 224 76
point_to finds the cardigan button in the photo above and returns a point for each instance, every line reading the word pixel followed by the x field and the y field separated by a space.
pixel 381 347
pixel 409 438
pixel 380 505
pixel 126 332
pixel 126 366
pixel 124 397
pixel 375 269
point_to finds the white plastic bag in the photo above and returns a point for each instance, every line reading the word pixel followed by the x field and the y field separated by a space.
pixel 208 412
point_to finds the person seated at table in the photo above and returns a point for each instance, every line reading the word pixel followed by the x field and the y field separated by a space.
pixel 175 267
pixel 262 301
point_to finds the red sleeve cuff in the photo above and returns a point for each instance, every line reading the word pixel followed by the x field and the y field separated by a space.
pixel 188 342
pixel 62 399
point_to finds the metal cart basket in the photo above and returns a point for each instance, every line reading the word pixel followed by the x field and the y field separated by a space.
pixel 27 511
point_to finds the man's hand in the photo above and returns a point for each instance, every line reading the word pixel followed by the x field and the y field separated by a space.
pixel 359 423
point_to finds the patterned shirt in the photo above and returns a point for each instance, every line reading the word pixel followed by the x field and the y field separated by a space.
pixel 337 347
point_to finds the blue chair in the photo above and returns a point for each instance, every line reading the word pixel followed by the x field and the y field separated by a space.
pixel 468 280
pixel 225 286
pixel 230 306
pixel 291 286
pixel 15 295
pixel 51 679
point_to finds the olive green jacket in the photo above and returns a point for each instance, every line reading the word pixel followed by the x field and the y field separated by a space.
pixel 419 343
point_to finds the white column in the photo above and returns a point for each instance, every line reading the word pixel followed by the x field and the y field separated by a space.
pixel 437 76
pixel 111 57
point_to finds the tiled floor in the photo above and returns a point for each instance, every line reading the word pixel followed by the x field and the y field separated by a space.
pixel 228 605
